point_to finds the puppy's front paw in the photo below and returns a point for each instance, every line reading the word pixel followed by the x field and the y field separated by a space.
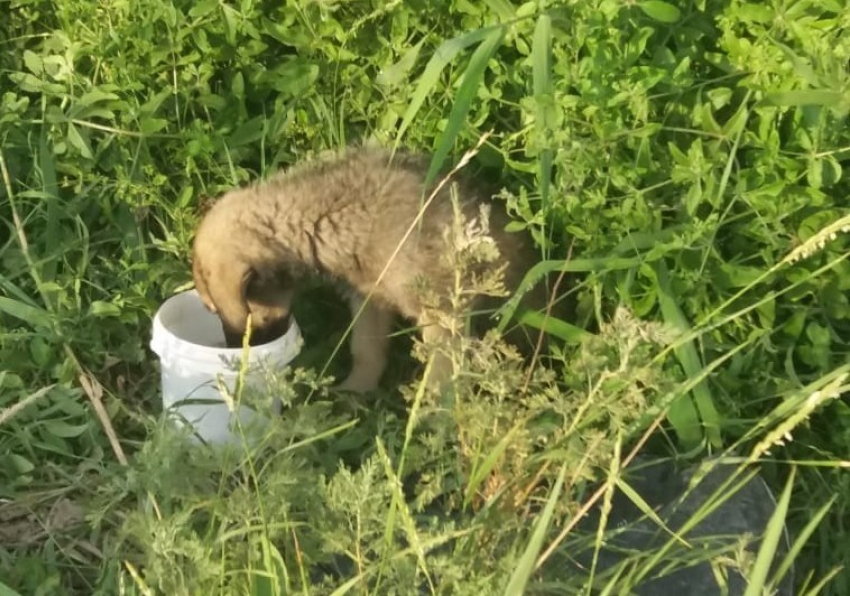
pixel 357 383
pixel 440 373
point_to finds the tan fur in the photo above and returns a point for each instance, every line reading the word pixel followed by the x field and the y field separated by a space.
pixel 343 217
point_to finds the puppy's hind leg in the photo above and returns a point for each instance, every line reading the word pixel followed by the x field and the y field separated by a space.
pixel 441 366
pixel 369 341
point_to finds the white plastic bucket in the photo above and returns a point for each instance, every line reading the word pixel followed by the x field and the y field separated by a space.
pixel 189 341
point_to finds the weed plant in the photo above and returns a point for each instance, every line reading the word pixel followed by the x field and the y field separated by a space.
pixel 680 164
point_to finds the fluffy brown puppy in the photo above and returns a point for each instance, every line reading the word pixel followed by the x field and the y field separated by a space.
pixel 341 216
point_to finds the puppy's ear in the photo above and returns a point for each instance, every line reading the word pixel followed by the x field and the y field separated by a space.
pixel 268 288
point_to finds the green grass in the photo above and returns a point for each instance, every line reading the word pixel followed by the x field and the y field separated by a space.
pixel 683 162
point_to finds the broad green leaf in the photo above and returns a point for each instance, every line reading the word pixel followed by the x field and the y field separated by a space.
pixel 760 13
pixel 502 8
pixel 294 77
pixel 33 62
pixel 149 126
pixel 739 276
pixel 64 430
pixel 231 23
pixel 9 380
pixel 32 84
pixel 802 66
pixel 814 173
pixel 734 124
pixel 203 8
pixel 248 132
pixel 823 172
pixel 153 104
pixel 102 309
pixel 660 11
pixel 831 171
pixel 21 464
pixel 96 96
pixel 77 141
pixel 395 73
pixel 237 85
pixel 40 351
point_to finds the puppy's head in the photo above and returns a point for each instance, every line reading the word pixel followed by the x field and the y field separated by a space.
pixel 234 278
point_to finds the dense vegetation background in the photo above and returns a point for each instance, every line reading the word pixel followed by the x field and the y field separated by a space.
pixel 686 160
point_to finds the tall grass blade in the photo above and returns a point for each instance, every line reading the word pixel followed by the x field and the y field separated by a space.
pixel 801 539
pixel 605 508
pixel 50 188
pixel 770 542
pixel 553 326
pixel 541 72
pixel 431 75
pixel 7 591
pixel 463 99
pixel 525 567
pixel 275 570
pixel 646 509
pixel 506 313
pixel 400 505
pixel 480 473
pixel 805 97
pixel 685 414
pixel 15 291
pixel 660 557
pixel 816 589
pixel 33 315
pixel 347 586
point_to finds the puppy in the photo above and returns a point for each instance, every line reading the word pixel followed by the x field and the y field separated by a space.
pixel 344 217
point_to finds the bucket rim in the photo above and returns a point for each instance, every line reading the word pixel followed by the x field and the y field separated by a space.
pixel 162 339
